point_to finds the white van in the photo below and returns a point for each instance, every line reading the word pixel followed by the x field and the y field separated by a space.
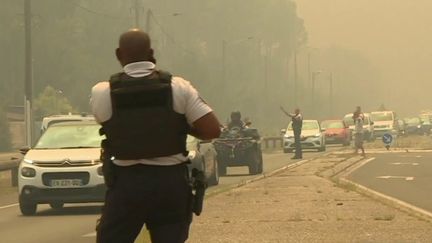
pixel 368 126
pixel 385 122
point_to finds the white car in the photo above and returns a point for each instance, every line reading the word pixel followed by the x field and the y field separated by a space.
pixel 63 167
pixel 311 137
pixel 51 120
pixel 203 156
pixel 385 122
pixel 368 126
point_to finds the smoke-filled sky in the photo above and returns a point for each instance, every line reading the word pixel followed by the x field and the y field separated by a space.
pixel 395 35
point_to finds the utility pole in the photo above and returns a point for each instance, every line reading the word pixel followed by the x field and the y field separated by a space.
pixel 138 10
pixel 331 94
pixel 28 83
pixel 224 44
pixel 295 80
pixel 148 20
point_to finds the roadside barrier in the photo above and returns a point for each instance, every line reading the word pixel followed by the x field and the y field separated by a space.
pixel 272 142
pixel 11 162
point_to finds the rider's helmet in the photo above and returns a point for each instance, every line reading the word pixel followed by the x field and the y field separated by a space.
pixel 235 115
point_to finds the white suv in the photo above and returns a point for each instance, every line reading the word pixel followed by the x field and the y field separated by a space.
pixel 63 167
pixel 311 137
pixel 368 125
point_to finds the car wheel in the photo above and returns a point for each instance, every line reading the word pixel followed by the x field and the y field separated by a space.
pixel 214 179
pixel 27 208
pixel 56 205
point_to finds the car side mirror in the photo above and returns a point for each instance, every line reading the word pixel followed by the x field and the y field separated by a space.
pixel 24 150
pixel 323 129
pixel 372 123
pixel 283 131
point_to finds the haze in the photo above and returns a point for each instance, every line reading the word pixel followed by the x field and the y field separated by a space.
pixel 395 35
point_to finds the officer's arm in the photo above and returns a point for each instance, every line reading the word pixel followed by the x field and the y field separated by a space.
pixel 207 127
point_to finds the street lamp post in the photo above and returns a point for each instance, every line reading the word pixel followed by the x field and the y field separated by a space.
pixel 314 75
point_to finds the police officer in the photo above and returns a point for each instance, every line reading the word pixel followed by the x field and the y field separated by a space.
pixel 297 123
pixel 146 115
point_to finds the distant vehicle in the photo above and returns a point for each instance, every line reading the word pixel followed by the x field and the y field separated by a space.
pixel 413 125
pixel 384 122
pixel 63 167
pixel 426 124
pixel 203 156
pixel 311 137
pixel 336 132
pixel 368 126
pixel 239 147
pixel 51 120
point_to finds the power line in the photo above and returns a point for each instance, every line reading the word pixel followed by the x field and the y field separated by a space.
pixel 170 37
pixel 99 13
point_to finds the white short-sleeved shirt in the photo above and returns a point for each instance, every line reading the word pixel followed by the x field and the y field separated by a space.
pixel 185 98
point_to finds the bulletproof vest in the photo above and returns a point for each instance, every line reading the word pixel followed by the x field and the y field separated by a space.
pixel 297 123
pixel 144 124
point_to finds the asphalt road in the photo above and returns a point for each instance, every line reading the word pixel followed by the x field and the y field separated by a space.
pixel 76 223
pixel 404 176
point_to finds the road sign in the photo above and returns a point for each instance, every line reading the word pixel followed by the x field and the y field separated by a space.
pixel 387 138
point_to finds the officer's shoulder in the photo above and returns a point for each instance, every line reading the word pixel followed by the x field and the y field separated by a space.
pixel 101 86
pixel 181 83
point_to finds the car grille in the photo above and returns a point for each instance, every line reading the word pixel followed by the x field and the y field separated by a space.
pixel 83 176
pixel 66 163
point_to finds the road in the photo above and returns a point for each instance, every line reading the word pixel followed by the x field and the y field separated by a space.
pixel 76 223
pixel 404 176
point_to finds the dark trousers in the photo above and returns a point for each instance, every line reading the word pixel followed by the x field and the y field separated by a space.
pixel 297 141
pixel 157 196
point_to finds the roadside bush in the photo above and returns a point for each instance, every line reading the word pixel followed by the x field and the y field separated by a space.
pixel 5 135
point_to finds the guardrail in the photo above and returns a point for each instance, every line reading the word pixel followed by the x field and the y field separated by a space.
pixel 272 142
pixel 11 162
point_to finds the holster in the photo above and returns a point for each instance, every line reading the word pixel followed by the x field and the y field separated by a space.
pixel 199 185
pixel 108 166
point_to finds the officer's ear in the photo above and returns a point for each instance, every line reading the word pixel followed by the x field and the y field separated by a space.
pixel 118 54
pixel 151 56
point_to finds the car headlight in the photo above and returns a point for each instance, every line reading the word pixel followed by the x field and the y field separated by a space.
pixel 28 172
pixel 419 126
pixel 28 161
pixel 317 135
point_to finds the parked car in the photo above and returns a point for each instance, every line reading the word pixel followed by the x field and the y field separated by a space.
pixel 336 132
pixel 413 125
pixel 311 137
pixel 368 126
pixel 426 124
pixel 51 120
pixel 63 167
pixel 385 122
pixel 202 155
pixel 401 127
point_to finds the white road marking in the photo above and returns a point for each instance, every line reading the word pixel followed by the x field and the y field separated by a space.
pixel 92 234
pixel 407 178
pixel 419 156
pixel 9 206
pixel 399 163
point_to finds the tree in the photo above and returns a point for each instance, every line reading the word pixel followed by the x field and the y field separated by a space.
pixel 50 102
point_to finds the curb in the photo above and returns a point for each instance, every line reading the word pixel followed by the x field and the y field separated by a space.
pixel 257 178
pixel 264 175
pixel 388 200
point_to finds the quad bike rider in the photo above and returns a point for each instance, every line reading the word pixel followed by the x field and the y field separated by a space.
pixel 239 145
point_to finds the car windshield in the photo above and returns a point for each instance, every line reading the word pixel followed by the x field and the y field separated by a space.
pixel 307 125
pixel 425 118
pixel 382 116
pixel 70 136
pixel 348 120
pixel 332 124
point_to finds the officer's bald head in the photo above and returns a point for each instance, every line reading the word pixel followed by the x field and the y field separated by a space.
pixel 134 46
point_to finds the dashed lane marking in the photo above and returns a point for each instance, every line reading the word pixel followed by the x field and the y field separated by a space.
pixel 9 206
pixel 407 178
pixel 92 234
pixel 399 163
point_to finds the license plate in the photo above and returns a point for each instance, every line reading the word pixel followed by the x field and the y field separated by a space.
pixel 66 183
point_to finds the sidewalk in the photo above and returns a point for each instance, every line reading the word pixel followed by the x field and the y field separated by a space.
pixel 302 205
